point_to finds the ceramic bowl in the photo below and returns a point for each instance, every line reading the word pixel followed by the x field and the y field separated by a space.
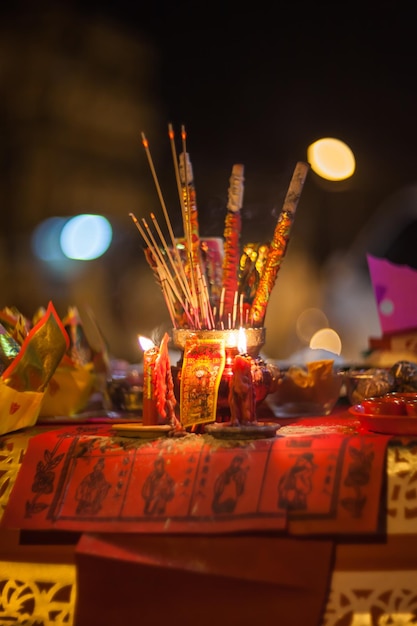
pixel 313 389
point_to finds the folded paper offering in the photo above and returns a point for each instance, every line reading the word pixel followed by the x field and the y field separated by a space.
pixel 48 364
pixel 27 375
pixel 18 409
pixel 81 371
pixel 69 390
pixel 39 355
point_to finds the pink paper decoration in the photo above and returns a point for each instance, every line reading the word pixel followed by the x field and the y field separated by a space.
pixel 395 289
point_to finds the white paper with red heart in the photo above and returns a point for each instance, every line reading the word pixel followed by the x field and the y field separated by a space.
pixel 18 409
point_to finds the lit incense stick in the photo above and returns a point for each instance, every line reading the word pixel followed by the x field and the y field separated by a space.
pixel 162 201
pixel 158 264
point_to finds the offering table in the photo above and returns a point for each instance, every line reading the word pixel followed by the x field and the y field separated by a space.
pixel 316 526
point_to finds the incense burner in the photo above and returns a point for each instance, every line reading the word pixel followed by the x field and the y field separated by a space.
pixel 254 339
pixel 263 374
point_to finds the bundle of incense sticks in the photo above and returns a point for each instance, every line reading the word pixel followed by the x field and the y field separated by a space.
pixel 279 245
pixel 232 228
pixel 178 265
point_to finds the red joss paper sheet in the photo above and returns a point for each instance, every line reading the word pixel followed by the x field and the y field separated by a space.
pixel 86 478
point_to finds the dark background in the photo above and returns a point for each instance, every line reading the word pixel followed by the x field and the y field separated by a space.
pixel 79 82
pixel 256 84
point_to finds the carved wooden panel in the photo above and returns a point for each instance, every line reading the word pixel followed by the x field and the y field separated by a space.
pixel 37 594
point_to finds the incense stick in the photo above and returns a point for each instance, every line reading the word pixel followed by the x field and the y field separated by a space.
pixel 177 175
pixel 179 273
pixel 159 261
pixel 161 199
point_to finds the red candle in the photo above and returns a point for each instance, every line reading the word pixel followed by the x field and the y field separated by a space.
pixel 149 404
pixel 242 399
pixel 164 385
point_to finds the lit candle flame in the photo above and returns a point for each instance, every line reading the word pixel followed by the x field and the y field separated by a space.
pixel 241 341
pixel 145 343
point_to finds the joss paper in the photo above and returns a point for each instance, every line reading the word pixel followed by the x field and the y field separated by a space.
pixel 39 356
pixel 202 369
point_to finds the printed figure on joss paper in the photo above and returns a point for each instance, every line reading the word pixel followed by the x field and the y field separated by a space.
pixel 229 486
pixel 92 490
pixel 158 489
pixel 297 483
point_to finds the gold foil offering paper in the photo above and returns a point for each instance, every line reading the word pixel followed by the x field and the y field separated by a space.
pixel 9 348
pixel 39 356
pixel 203 364
pixel 24 380
pixel 251 267
pixel 16 323
pixel 79 349
pixel 81 372
pixel 68 391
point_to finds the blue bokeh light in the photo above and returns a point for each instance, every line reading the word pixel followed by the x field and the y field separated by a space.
pixel 86 237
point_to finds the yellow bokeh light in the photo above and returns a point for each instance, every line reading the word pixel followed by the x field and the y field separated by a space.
pixel 326 339
pixel 331 159
pixel 308 322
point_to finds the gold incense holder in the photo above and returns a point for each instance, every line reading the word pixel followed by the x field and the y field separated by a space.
pixel 263 374
pixel 255 339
